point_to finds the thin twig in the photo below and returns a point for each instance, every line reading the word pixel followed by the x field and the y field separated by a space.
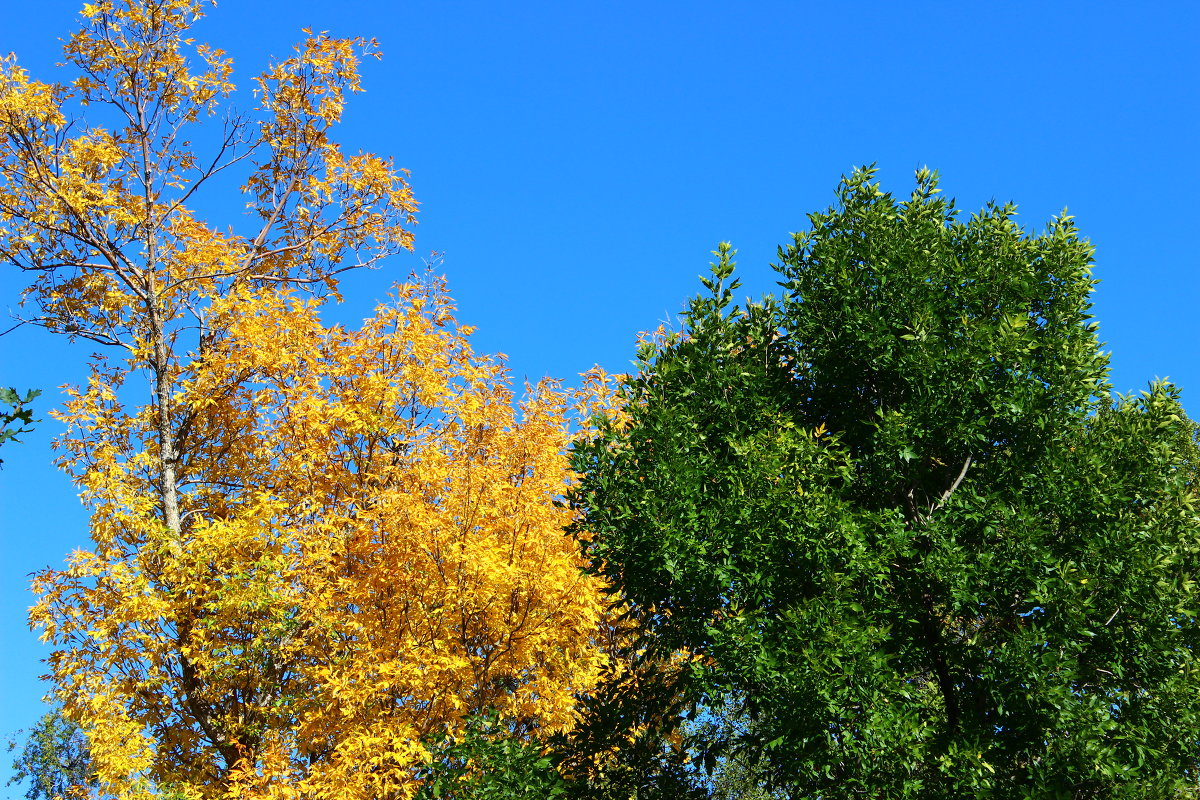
pixel 14 327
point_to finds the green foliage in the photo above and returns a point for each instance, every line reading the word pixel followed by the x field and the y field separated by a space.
pixel 897 510
pixel 54 760
pixel 490 763
pixel 19 414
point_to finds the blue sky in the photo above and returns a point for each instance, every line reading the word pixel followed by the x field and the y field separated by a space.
pixel 577 162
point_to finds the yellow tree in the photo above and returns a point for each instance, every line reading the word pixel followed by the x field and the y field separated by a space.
pixel 315 548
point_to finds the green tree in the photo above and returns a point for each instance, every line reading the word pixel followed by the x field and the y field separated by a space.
pixel 54 760
pixel 898 511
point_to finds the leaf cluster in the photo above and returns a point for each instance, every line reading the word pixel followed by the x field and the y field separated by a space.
pixel 18 412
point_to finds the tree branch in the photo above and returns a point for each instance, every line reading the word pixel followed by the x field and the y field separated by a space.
pixel 953 487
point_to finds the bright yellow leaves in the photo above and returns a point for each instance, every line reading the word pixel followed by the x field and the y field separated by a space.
pixel 313 548
pixel 137 50
pixel 80 200
pixel 24 101
pixel 370 552
pixel 325 209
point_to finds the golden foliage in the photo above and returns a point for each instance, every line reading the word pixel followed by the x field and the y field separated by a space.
pixel 370 552
pixel 314 548
pixel 104 215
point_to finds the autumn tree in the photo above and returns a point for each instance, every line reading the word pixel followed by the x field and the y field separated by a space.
pixel 315 549
pixel 372 557
pixel 901 520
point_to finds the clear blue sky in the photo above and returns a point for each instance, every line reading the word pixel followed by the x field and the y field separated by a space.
pixel 576 162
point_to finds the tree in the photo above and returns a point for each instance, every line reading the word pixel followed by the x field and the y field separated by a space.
pixel 315 548
pixel 101 217
pixel 54 760
pixel 373 556
pixel 898 512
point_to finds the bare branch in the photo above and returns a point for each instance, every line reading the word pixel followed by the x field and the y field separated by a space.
pixel 14 327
